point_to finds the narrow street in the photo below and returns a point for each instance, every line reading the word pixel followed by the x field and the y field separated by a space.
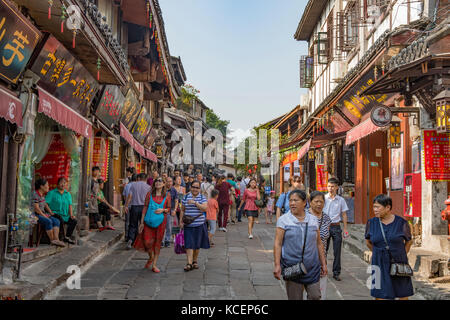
pixel 235 269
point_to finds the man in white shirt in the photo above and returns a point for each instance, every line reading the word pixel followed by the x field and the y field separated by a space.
pixel 335 208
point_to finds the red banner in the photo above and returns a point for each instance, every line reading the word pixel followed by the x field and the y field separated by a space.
pixel 100 157
pixel 322 178
pixel 56 163
pixel 436 155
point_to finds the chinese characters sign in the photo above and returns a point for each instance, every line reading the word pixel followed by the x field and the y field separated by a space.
pixel 150 140
pixel 348 167
pixel 100 157
pixel 18 38
pixel 142 126
pixel 130 110
pixel 64 77
pixel 110 106
pixel 355 106
pixel 436 155
pixel 56 163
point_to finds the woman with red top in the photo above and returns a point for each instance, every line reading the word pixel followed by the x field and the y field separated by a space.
pixel 149 239
pixel 250 195
pixel 224 202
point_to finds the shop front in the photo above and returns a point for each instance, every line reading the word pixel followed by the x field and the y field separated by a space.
pixel 65 91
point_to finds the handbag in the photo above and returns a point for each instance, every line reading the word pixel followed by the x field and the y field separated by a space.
pixel 297 270
pixel 179 243
pixel 259 203
pixel 397 269
pixel 152 219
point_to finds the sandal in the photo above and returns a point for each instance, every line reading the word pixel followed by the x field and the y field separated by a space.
pixel 149 264
pixel 188 267
pixel 195 265
pixel 156 270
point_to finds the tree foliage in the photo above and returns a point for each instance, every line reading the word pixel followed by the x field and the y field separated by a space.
pixel 214 121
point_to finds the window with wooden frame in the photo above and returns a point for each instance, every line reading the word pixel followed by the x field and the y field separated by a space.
pixel 373 9
pixel 347 29
pixel 306 71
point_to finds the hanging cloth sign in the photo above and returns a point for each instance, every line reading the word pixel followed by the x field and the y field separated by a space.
pixel 436 155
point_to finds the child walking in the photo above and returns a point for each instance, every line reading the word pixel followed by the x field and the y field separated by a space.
pixel 211 214
pixel 270 207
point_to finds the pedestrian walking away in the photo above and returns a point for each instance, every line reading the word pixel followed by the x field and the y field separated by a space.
pixel 224 202
pixel 136 200
pixel 388 236
pixel 211 215
pixel 336 208
pixel 150 237
pixel 126 192
pixel 317 203
pixel 251 210
pixel 194 207
pixel 298 243
pixel 59 201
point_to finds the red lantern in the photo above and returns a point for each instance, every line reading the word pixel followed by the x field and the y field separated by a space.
pixel 256 167
pixel 250 171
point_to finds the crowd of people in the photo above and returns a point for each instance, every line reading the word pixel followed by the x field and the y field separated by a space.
pixel 198 206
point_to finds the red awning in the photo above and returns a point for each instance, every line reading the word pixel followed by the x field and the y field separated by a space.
pixel 61 113
pixel 304 150
pixel 124 133
pixel 290 158
pixel 151 156
pixel 10 107
pixel 361 130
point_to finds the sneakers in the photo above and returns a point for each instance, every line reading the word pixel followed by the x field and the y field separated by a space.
pixel 129 244
pixel 250 236
pixel 224 229
pixel 110 228
pixel 220 229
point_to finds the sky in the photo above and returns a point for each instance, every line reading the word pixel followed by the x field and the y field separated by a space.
pixel 240 54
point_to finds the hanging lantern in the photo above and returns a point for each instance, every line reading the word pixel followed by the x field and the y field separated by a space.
pixel 255 166
pixel 442 101
pixel 63 17
pixel 50 5
pixel 394 136
pixel 74 37
pixel 99 65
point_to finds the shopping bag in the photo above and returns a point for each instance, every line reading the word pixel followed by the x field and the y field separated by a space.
pixel 179 243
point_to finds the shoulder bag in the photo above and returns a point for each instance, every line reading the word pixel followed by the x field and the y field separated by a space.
pixel 259 203
pixel 152 219
pixel 397 269
pixel 283 209
pixel 187 220
pixel 297 270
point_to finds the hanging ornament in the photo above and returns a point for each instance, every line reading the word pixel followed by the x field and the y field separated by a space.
pixel 50 5
pixel 151 19
pixel 74 37
pixel 99 65
pixel 328 119
pixel 63 17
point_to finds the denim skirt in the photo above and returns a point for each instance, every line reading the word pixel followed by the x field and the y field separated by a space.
pixel 196 237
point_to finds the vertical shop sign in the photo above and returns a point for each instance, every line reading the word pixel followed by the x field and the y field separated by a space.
pixel 18 39
pixel 322 178
pixel 348 166
pixel 142 126
pixel 436 155
pixel 56 163
pixel 100 156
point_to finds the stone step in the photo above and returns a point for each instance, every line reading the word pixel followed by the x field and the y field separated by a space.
pixel 38 278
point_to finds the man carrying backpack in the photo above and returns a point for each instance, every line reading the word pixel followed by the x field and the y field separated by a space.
pixel 282 205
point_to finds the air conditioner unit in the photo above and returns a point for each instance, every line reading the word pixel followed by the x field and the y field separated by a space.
pixel 304 102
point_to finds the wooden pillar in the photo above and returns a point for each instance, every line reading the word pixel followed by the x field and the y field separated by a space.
pixel 281 178
pixel 82 215
pixel 3 185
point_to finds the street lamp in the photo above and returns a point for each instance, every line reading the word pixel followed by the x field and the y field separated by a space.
pixel 442 101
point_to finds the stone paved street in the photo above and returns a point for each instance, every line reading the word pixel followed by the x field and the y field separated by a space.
pixel 236 268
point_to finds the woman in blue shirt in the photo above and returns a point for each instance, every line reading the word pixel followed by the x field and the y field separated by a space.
pixel 289 244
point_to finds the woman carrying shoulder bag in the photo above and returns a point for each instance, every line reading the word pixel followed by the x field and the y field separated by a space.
pixel 299 255
pixel 153 223
pixel 389 238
